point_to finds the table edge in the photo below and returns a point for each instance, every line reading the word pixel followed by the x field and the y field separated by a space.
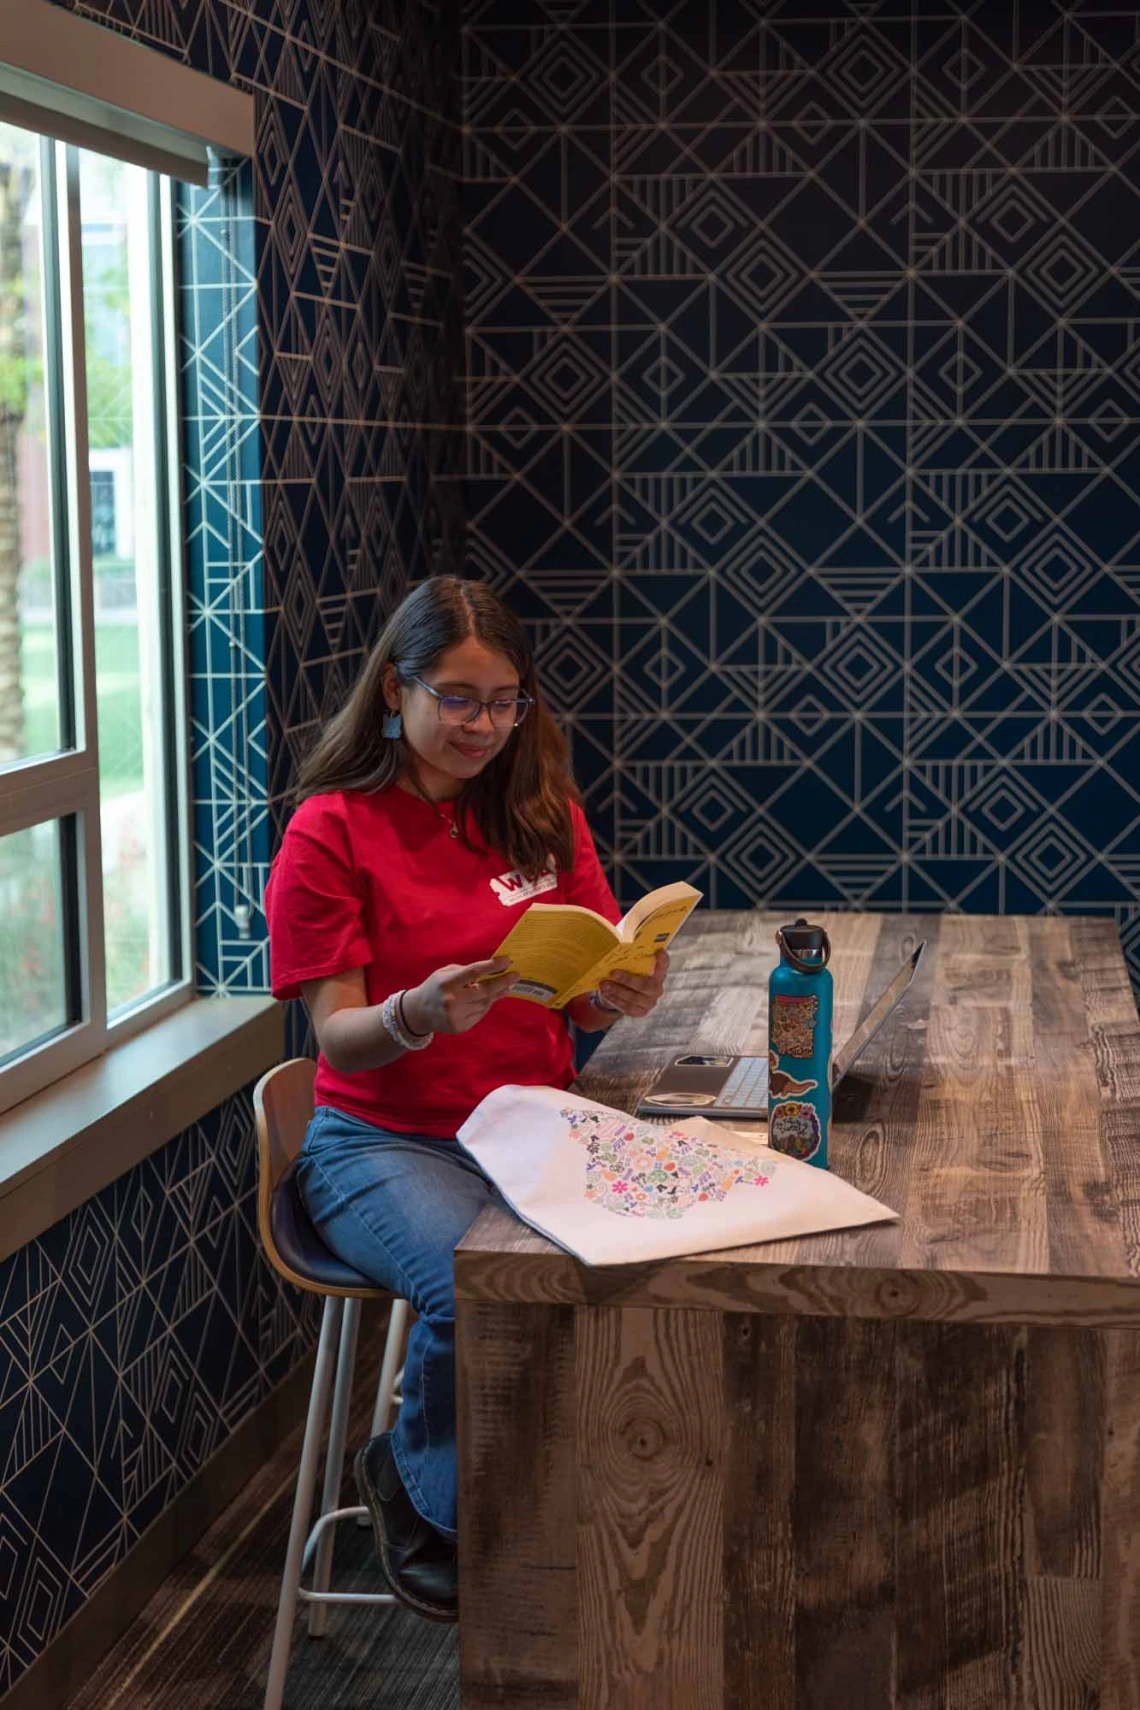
pixel 707 1282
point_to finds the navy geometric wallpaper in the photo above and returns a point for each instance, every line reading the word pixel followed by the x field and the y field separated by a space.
pixel 138 1332
pixel 225 575
pixel 135 1335
pixel 803 371
pixel 360 319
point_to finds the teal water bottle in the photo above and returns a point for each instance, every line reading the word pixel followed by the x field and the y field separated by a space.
pixel 799 1044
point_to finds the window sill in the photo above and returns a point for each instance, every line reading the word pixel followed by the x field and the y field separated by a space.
pixel 65 1144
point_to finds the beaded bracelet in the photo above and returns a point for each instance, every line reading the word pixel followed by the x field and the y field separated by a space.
pixel 391 1014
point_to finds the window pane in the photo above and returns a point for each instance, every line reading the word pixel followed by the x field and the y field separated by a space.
pixel 33 995
pixel 125 469
pixel 29 667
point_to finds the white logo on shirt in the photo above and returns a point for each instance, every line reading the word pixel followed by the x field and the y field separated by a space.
pixel 512 888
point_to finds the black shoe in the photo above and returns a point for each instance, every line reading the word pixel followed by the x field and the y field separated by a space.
pixel 419 1564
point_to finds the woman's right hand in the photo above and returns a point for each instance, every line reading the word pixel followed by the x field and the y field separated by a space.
pixel 454 998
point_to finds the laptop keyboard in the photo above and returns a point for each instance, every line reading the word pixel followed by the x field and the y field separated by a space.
pixel 747 1086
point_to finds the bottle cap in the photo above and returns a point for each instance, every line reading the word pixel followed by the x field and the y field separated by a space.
pixel 806 947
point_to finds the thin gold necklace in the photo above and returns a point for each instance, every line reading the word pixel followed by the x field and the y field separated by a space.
pixel 452 828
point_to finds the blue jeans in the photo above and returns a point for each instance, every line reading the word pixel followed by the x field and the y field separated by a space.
pixel 395 1207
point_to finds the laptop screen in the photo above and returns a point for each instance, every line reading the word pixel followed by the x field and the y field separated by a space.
pixel 875 1017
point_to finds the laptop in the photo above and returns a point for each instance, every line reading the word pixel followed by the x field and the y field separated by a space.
pixel 709 1084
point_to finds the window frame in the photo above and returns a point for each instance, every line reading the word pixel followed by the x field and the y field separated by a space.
pixel 64 786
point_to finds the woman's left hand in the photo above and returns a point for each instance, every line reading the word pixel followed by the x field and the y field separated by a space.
pixel 636 994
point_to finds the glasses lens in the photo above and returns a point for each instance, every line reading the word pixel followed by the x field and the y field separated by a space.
pixel 457 709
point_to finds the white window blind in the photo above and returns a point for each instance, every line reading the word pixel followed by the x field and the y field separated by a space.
pixel 85 84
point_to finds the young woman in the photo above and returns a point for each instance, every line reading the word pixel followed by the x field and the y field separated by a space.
pixel 433 806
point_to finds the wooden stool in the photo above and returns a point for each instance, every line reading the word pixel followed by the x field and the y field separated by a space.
pixel 283 1104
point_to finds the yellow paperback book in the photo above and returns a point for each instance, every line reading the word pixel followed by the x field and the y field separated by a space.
pixel 559 950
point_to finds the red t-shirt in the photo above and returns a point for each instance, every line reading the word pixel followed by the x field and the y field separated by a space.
pixel 374 881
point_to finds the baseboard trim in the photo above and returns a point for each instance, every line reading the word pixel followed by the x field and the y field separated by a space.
pixel 77 1648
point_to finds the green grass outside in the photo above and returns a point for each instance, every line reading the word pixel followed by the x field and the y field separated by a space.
pixel 119 705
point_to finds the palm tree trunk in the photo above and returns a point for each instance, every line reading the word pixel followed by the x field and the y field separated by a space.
pixel 11 683
pixel 13 349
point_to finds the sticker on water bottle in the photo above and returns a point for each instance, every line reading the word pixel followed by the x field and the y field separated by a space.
pixel 793 1025
pixel 783 1085
pixel 793 1129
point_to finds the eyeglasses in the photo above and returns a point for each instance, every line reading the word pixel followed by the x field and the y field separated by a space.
pixel 464 709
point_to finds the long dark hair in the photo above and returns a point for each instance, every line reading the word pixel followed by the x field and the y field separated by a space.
pixel 519 803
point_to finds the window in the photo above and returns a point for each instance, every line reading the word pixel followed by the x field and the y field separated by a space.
pixel 93 916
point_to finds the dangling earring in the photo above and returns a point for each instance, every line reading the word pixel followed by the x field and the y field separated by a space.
pixel 391 725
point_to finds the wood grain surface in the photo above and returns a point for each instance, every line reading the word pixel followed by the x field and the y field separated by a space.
pixel 650 1448
pixel 895 1468
pixel 516 1424
pixel 759 1483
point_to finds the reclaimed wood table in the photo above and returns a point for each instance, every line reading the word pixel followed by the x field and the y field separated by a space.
pixel 895 1466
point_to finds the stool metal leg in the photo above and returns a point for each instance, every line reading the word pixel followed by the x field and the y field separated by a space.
pixel 303 1501
pixel 393 1358
pixel 334 1459
pixel 391 1373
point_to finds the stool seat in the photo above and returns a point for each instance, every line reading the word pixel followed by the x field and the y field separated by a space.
pixel 301 1247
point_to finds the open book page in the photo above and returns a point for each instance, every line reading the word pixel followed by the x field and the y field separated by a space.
pixel 650 926
pixel 553 947
pixel 651 905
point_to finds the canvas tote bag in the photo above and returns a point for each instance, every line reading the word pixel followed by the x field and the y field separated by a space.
pixel 614 1190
